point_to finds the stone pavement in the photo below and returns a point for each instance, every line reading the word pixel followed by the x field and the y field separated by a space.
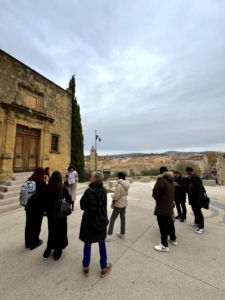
pixel 195 269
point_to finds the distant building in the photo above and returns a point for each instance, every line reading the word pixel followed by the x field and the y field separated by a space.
pixel 220 165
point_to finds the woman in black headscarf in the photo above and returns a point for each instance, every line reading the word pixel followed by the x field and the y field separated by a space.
pixel 57 227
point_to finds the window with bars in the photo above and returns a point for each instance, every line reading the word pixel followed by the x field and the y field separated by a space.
pixel 55 143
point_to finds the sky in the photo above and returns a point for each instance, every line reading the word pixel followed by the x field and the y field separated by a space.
pixel 150 74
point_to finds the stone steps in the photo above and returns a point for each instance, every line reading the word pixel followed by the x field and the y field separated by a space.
pixel 9 192
pixel 10 207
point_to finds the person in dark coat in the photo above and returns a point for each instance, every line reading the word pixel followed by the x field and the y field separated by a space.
pixel 195 187
pixel 57 227
pixel 163 193
pixel 89 203
pixel 34 211
pixel 180 195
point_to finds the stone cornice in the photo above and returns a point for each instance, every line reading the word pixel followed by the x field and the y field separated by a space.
pixel 26 110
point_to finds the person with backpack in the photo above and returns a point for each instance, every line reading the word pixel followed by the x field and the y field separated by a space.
pixel 71 180
pixel 180 196
pixel 119 205
pixel 57 227
pixel 94 222
pixel 34 208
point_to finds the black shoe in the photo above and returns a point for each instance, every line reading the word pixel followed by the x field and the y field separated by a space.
pixel 57 254
pixel 182 220
pixel 47 253
pixel 37 245
pixel 177 217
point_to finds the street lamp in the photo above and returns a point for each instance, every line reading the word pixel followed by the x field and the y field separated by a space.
pixel 97 138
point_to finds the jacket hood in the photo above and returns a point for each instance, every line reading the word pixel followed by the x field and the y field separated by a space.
pixel 166 175
pixel 125 184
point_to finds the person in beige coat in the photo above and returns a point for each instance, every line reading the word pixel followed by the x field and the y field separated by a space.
pixel 72 179
pixel 120 203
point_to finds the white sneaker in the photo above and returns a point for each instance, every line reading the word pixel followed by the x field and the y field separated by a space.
pixel 193 224
pixel 108 238
pixel 161 248
pixel 122 236
pixel 172 242
pixel 199 230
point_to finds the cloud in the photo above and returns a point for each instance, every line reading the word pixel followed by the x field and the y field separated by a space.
pixel 150 75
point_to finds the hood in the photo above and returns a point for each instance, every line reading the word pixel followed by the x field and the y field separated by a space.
pixel 166 175
pixel 125 184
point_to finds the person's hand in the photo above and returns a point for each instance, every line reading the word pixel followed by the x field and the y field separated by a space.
pixel 64 200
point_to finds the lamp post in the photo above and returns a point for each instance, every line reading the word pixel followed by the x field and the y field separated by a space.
pixel 97 138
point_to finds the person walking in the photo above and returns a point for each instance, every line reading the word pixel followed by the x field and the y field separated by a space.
pixel 34 211
pixel 195 187
pixel 89 203
pixel 119 206
pixel 72 179
pixel 57 227
pixel 180 196
pixel 163 193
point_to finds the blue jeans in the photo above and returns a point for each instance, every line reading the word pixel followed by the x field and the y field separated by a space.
pixel 102 251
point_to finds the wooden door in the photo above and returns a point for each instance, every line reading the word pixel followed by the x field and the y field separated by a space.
pixel 26 149
pixel 19 153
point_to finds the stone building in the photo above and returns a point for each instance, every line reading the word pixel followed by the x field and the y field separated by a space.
pixel 35 120
pixel 220 165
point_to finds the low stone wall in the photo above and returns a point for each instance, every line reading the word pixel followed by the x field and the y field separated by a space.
pixel 209 182
pixel 145 179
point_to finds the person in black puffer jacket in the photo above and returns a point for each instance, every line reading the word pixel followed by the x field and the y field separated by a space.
pixel 89 203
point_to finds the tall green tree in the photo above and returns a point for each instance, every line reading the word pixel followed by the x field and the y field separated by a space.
pixel 77 138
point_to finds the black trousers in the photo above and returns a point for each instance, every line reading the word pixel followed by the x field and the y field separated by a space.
pixel 33 227
pixel 181 213
pixel 166 226
pixel 199 219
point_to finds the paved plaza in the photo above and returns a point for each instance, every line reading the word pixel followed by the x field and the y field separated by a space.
pixel 195 269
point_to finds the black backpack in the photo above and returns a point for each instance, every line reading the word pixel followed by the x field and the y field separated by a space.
pixel 100 220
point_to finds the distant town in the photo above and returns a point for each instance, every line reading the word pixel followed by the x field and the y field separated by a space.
pixel 209 164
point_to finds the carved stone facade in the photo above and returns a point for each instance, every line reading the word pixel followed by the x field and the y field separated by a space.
pixel 35 120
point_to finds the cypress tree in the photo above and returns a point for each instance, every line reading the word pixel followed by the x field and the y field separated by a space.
pixel 77 138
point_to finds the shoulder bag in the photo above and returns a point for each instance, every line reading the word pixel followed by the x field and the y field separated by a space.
pixel 62 209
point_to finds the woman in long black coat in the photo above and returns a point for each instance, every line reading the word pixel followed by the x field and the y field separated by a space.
pixel 89 203
pixel 34 211
pixel 57 227
pixel 180 196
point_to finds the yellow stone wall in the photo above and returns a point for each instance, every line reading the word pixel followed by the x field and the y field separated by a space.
pixel 29 99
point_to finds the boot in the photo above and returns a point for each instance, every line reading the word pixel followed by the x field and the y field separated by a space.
pixel 72 205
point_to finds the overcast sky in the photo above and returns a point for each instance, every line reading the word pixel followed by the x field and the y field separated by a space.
pixel 150 74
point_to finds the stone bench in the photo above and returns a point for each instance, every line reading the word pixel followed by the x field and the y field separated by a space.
pixel 145 179
pixel 112 183
pixel 131 180
pixel 209 182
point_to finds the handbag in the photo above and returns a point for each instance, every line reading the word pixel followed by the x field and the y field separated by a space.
pixel 62 209
pixel 204 200
pixel 66 184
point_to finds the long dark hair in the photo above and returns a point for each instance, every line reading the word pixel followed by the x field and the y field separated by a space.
pixel 54 186
pixel 38 174
pixel 46 171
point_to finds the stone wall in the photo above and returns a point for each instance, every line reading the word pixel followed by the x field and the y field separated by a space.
pixel 29 99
